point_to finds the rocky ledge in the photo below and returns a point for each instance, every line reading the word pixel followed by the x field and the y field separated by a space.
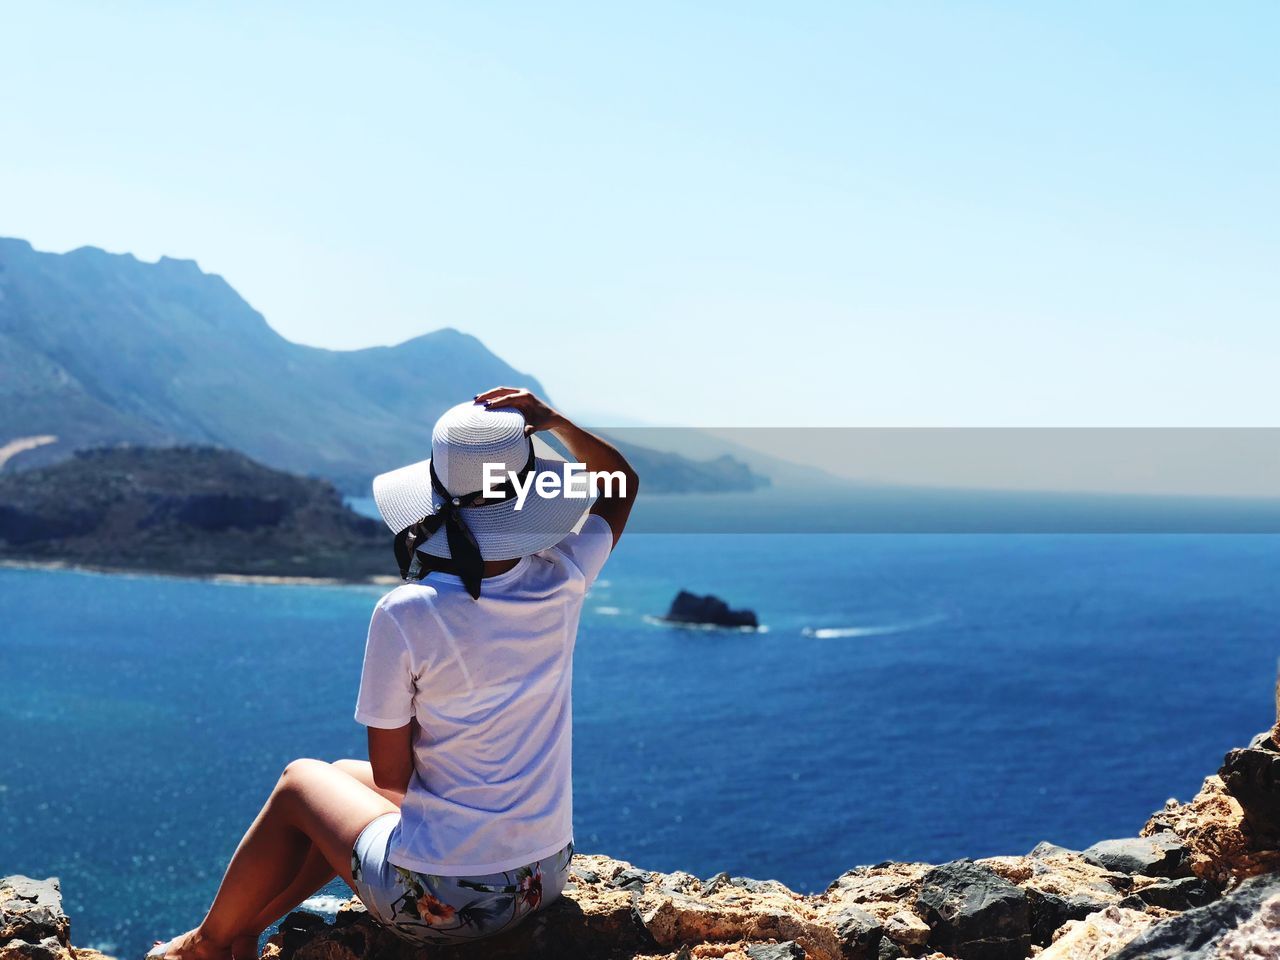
pixel 32 924
pixel 1200 882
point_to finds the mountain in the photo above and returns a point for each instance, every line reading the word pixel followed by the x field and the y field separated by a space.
pixel 187 510
pixel 98 349
pixel 737 444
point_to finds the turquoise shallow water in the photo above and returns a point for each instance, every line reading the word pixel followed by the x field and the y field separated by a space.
pixel 913 697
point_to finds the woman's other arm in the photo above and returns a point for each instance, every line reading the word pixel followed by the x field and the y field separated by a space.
pixel 391 756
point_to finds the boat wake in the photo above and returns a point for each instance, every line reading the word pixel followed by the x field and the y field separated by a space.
pixel 870 630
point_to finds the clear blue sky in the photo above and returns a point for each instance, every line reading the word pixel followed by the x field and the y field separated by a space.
pixel 707 213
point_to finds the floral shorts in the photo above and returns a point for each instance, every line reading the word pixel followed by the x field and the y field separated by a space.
pixel 425 908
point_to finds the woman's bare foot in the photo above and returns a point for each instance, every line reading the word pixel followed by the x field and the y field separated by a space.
pixel 192 945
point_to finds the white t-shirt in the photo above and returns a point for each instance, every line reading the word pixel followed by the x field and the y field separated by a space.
pixel 490 683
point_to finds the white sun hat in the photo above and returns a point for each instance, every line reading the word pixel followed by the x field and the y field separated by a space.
pixel 465 438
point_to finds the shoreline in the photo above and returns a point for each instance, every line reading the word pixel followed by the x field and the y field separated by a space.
pixel 240 579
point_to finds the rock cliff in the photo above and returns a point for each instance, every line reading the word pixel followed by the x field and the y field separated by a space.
pixel 1200 882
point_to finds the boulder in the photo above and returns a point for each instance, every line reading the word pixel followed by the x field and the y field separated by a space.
pixel 1266 740
pixel 631 879
pixel 1258 936
pixel 1160 855
pixel 1252 775
pixel 788 950
pixel 31 910
pixel 859 932
pixel 680 882
pixel 1232 926
pixel 1051 912
pixel 886 892
pixel 906 929
pixel 709 610
pixel 1097 936
pixel 973 913
pixel 1044 849
pixel 888 882
pixel 1182 894
pixel 732 915
pixel 1223 846
pixel 715 883
pixel 33 925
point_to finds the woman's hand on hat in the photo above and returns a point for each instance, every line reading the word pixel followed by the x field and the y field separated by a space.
pixel 595 453
pixel 538 415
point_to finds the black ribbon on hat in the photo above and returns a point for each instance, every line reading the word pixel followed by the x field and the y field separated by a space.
pixel 463 548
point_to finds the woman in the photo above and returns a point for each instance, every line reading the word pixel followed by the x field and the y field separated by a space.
pixel 460 824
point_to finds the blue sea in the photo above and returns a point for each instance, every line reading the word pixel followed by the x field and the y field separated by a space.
pixel 913 697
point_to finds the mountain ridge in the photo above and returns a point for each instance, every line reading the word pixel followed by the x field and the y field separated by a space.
pixel 100 348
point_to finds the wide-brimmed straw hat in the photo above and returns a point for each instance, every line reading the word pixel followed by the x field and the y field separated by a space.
pixel 465 438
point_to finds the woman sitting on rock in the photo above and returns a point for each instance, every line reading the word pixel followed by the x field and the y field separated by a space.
pixel 460 824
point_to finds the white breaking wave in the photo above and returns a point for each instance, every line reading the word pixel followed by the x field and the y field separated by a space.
pixel 871 630
pixel 679 625
pixel 608 611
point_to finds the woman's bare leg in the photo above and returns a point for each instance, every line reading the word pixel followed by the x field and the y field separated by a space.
pixel 314 873
pixel 314 804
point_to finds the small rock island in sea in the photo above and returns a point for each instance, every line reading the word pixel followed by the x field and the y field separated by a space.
pixel 690 608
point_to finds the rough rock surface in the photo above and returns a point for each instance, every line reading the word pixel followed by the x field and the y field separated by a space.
pixel 974 913
pixel 1205 932
pixel 1252 775
pixel 1097 936
pixel 1222 844
pixel 1259 936
pixel 1157 855
pixel 32 924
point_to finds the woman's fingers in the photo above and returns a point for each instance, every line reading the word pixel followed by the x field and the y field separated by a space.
pixel 510 401
pixel 521 400
pixel 497 392
pixel 538 416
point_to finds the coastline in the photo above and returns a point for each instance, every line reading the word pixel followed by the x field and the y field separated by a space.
pixel 243 579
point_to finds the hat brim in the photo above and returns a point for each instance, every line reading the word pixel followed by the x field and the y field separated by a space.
pixel 503 532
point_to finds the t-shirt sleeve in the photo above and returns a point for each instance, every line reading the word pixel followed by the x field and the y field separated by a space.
pixel 589 548
pixel 386 682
